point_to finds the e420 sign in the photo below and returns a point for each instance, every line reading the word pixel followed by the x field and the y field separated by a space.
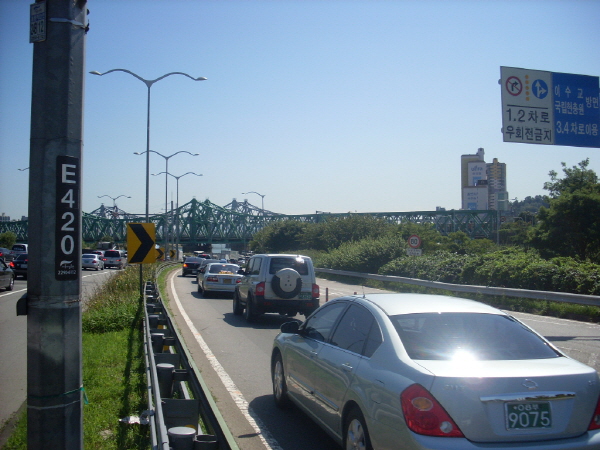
pixel 67 256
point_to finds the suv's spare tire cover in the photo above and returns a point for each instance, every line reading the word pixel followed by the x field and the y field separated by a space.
pixel 286 283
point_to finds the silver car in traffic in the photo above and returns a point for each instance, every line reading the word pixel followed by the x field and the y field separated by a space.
pixel 415 371
pixel 92 261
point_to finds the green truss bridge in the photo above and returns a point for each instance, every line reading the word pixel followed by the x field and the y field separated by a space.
pixel 204 222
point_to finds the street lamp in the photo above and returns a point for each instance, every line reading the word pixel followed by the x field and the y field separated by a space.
pixel 262 199
pixel 177 200
pixel 166 178
pixel 148 84
pixel 114 198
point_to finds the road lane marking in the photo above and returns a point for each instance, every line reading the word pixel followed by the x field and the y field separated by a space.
pixel 237 396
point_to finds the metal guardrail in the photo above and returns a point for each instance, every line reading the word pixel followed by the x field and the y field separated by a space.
pixel 181 410
pixel 579 299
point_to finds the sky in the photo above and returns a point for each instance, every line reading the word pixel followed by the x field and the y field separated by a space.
pixel 335 106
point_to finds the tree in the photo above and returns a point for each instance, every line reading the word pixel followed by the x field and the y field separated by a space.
pixel 278 237
pixel 8 239
pixel 576 178
pixel 333 232
pixel 570 227
pixel 571 224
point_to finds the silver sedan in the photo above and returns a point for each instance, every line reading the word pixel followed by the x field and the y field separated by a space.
pixel 414 371
pixel 92 261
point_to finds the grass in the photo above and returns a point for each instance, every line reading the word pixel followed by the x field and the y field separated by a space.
pixel 114 372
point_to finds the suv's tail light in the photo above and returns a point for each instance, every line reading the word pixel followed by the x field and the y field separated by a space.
pixel 315 291
pixel 260 288
pixel 424 415
pixel 595 423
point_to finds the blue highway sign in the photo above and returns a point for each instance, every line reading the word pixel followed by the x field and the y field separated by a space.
pixel 540 107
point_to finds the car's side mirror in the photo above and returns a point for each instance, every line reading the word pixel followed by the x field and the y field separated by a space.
pixel 290 327
pixel 241 272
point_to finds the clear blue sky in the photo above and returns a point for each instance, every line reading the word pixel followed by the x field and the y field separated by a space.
pixel 333 106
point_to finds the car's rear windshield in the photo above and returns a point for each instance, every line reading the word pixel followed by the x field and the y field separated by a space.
pixel 89 256
pixel 223 268
pixel 21 257
pixel 193 260
pixel 298 264
pixel 112 254
pixel 19 248
pixel 468 336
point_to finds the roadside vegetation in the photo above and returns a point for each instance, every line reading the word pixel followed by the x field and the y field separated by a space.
pixel 114 372
pixel 553 244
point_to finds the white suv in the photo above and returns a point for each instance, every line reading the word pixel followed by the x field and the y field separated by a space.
pixel 284 284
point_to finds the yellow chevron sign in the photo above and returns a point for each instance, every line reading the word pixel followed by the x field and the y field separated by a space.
pixel 140 243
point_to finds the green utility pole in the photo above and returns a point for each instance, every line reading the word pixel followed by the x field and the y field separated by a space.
pixel 54 374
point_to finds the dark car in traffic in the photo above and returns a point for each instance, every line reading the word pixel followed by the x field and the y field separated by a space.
pixel 19 265
pixel 191 265
pixel 7 276
pixel 5 254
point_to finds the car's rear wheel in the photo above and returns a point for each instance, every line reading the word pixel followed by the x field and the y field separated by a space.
pixel 11 284
pixel 237 307
pixel 249 313
pixel 279 384
pixel 356 435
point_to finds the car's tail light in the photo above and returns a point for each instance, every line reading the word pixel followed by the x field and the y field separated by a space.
pixel 260 289
pixel 424 415
pixel 315 291
pixel 238 280
pixel 12 264
pixel 185 265
pixel 213 279
pixel 595 423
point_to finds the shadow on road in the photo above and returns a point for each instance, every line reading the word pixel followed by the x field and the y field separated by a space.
pixel 290 427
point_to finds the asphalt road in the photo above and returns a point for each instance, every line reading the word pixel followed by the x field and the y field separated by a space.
pixel 237 367
pixel 13 339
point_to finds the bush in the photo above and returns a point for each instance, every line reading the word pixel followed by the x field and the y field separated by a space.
pixel 367 255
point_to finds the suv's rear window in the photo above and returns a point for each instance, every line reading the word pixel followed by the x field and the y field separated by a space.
pixel 112 254
pixel 19 248
pixel 298 264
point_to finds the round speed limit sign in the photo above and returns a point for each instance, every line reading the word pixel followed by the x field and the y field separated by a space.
pixel 414 241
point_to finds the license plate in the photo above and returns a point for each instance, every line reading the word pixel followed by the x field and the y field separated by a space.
pixel 194 271
pixel 527 415
pixel 304 296
pixel 23 266
pixel 226 280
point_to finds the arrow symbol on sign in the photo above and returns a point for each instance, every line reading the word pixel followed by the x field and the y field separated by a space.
pixel 540 90
pixel 146 243
pixel 160 253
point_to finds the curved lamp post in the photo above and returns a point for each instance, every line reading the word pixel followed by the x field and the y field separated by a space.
pixel 177 199
pixel 148 84
pixel 166 178
pixel 262 199
pixel 114 198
